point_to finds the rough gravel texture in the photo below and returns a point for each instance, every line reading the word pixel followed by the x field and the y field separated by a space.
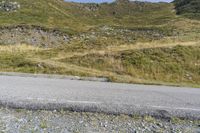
pixel 19 121
pixel 33 35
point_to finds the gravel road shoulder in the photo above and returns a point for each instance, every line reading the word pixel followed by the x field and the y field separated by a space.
pixel 19 121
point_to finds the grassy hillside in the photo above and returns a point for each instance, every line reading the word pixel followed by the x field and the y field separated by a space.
pixel 80 17
pixel 134 42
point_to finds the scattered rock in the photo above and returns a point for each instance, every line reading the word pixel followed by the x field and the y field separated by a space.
pixel 90 6
pixel 48 121
pixel 124 34
pixel 33 35
pixel 9 6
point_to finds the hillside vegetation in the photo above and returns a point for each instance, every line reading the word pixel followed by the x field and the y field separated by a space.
pixel 189 8
pixel 134 42
pixel 80 17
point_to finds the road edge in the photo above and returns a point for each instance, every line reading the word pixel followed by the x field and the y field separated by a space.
pixel 54 76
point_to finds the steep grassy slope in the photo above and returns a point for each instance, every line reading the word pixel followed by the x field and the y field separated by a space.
pixel 80 17
pixel 133 42
pixel 76 18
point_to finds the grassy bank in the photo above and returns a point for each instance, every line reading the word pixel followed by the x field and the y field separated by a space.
pixel 173 65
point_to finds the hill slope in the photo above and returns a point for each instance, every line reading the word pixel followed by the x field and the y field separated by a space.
pixel 77 17
pixel 134 42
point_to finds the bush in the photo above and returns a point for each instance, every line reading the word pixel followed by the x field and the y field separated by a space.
pixel 187 6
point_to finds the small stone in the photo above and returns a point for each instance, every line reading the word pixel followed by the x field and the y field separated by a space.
pixel 155 127
pixel 80 122
pixel 165 127
pixel 105 125
pixel 146 129
pixel 160 124
pixel 86 125
pixel 35 128
pixel 143 125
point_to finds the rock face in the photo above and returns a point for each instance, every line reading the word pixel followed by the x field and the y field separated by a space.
pixel 32 35
pixel 9 6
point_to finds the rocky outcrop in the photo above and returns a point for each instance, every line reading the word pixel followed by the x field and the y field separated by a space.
pixel 9 6
pixel 33 35
pixel 90 6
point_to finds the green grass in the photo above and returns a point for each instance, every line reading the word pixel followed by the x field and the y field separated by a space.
pixel 175 65
pixel 18 63
pixel 43 124
pixel 74 17
pixel 178 65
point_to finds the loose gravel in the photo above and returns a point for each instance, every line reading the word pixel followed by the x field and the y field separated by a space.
pixel 26 121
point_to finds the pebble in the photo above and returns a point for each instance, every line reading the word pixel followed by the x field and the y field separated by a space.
pixel 80 122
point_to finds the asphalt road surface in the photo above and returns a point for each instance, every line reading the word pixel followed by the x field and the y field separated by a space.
pixel 91 96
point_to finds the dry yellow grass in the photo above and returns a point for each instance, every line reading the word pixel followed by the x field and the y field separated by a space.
pixel 111 75
pixel 19 48
pixel 29 54
pixel 137 46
